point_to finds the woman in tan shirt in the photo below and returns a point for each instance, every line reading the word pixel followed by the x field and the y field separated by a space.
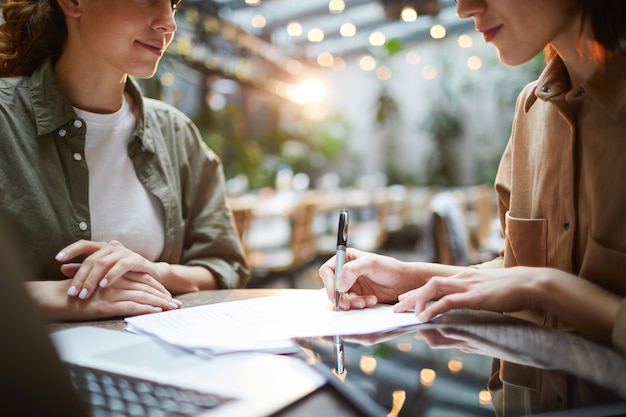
pixel 559 185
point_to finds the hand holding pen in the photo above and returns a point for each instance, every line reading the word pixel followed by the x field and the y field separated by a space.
pixel 342 244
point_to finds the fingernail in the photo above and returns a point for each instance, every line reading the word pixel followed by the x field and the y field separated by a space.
pixel 103 283
pixel 158 309
pixel 83 294
pixel 422 316
pixel 71 291
pixel 177 302
pixel 60 256
pixel 174 305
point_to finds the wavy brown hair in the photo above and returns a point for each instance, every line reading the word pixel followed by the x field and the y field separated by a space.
pixel 32 31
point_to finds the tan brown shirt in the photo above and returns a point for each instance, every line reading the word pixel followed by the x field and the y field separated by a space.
pixel 562 180
pixel 561 188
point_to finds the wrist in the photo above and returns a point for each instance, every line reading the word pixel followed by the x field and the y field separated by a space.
pixel 51 298
pixel 543 286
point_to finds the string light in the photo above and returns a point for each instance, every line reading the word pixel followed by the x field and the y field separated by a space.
pixel 474 63
pixel 377 39
pixel 408 14
pixel 413 57
pixel 384 73
pixel 429 72
pixel 325 59
pixel 438 31
pixel 347 29
pixel 367 63
pixel 259 21
pixel 315 35
pixel 336 6
pixel 465 41
pixel 294 29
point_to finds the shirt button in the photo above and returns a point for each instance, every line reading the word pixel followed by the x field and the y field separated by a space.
pixel 62 133
pixel 78 124
pixel 545 89
pixel 82 226
pixel 566 225
pixel 78 156
pixel 580 93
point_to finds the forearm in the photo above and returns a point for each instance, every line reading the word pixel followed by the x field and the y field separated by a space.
pixel 51 298
pixel 579 303
pixel 421 272
pixel 179 279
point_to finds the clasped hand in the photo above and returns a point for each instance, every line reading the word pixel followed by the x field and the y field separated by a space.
pixel 116 274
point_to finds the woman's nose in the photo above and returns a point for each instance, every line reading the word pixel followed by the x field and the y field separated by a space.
pixel 469 8
pixel 164 16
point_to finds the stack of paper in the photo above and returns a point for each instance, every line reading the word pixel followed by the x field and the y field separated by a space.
pixel 266 323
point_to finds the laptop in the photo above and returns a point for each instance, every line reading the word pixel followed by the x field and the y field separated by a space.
pixel 81 371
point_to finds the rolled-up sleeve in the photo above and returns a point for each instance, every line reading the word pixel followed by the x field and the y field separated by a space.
pixel 188 178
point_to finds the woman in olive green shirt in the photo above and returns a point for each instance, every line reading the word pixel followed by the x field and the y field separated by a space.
pixel 119 201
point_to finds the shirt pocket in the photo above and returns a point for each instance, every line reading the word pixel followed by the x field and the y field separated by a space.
pixel 604 266
pixel 526 241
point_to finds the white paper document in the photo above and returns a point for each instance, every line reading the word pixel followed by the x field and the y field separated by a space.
pixel 265 323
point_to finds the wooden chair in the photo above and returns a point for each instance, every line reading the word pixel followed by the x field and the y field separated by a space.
pixel 282 244
pixel 450 239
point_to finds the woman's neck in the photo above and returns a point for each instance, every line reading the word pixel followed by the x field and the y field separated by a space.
pixel 88 88
pixel 581 55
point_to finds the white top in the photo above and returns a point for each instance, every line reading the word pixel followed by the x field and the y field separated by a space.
pixel 121 208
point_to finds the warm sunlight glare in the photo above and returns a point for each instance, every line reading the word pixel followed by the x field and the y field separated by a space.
pixel 309 91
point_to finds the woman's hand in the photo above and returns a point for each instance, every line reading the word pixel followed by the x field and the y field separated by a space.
pixel 366 279
pixel 104 264
pixel 578 302
pixel 500 290
pixel 133 294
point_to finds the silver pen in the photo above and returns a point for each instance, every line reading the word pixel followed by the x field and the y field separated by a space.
pixel 342 243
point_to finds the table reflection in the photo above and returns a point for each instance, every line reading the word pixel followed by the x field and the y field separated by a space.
pixel 477 364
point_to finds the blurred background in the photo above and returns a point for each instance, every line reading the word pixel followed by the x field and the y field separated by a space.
pixel 378 106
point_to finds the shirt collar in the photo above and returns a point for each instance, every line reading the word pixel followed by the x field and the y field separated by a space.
pixel 144 131
pixel 52 109
pixel 607 85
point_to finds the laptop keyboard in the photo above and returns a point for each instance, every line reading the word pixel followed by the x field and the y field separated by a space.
pixel 109 394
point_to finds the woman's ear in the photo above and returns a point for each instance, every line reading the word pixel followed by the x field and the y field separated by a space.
pixel 71 8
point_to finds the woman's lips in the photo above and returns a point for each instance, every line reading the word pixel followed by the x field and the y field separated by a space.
pixel 489 34
pixel 154 47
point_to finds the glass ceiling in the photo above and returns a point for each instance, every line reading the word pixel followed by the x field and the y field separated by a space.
pixel 304 29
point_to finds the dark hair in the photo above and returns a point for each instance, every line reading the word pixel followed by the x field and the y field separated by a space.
pixel 32 31
pixel 608 22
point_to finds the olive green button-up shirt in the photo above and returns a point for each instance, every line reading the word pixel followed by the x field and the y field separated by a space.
pixel 44 180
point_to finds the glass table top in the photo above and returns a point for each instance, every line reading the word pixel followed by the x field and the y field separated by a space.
pixel 443 369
